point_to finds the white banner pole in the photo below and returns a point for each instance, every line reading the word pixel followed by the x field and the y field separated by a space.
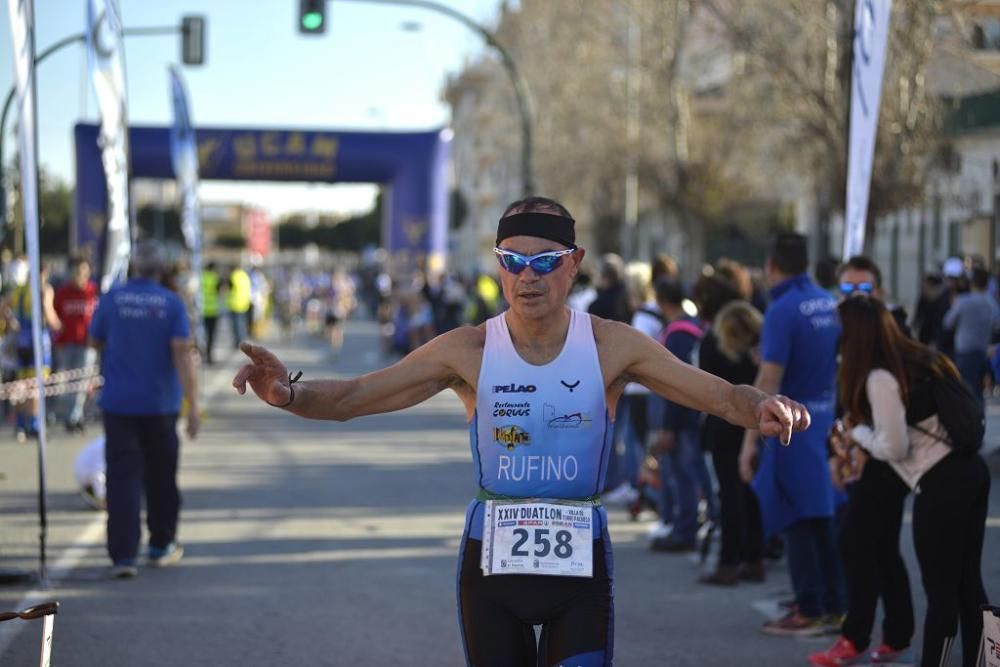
pixel 22 22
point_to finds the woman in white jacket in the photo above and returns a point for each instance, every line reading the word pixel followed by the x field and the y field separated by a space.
pixel 884 385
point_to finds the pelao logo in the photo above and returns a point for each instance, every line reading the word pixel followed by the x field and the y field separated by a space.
pixel 514 388
pixel 511 436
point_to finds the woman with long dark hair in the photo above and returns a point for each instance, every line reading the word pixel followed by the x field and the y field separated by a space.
pixel 885 387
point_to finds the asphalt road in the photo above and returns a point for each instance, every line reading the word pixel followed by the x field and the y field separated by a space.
pixel 335 544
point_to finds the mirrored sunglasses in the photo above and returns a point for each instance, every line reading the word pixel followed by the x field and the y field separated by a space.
pixel 542 263
pixel 847 289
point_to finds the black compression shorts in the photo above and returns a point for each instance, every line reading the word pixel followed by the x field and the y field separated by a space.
pixel 497 614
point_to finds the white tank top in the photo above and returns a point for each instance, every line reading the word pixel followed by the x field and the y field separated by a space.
pixel 540 431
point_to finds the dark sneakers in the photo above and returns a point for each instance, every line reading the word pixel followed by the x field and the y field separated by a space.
pixel 724 575
pixel 125 569
pixel 794 624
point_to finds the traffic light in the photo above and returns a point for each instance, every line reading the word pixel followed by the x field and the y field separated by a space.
pixel 193 40
pixel 312 17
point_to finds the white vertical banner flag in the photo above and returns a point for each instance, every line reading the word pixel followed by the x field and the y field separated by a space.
pixel 105 60
pixel 22 30
pixel 184 155
pixel 871 35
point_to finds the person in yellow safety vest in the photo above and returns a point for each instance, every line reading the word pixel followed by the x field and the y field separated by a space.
pixel 485 301
pixel 238 303
pixel 209 307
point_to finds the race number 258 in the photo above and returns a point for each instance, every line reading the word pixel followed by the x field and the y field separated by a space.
pixel 563 547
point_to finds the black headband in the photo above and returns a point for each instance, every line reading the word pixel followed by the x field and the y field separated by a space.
pixel 556 228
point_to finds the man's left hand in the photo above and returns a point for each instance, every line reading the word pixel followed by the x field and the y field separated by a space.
pixel 779 416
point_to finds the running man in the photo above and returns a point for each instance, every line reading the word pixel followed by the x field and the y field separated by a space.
pixel 520 374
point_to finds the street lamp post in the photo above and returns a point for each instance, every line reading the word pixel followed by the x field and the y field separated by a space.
pixel 520 86
pixel 64 42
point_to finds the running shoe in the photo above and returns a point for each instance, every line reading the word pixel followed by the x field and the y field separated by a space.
pixel 125 569
pixel 843 652
pixel 165 556
pixel 885 654
pixel 794 624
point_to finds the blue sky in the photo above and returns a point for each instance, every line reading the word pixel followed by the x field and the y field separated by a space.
pixel 366 72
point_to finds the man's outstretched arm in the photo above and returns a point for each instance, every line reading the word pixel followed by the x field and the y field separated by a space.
pixel 647 362
pixel 418 376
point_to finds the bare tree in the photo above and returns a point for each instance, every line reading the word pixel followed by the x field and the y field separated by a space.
pixel 708 103
pixel 797 89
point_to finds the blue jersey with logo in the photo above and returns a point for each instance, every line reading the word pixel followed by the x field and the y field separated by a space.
pixel 801 334
pixel 540 431
pixel 136 323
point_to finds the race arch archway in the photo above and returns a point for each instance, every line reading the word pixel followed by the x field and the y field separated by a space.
pixel 412 164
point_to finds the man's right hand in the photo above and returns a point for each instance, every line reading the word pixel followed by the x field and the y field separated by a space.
pixel 265 374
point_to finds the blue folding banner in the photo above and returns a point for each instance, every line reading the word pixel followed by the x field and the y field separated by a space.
pixel 413 164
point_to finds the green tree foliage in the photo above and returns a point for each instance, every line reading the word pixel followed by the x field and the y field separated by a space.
pixel 331 232
pixel 55 202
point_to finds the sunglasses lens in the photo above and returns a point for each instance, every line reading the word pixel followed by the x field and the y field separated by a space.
pixel 512 263
pixel 546 264
pixel 850 288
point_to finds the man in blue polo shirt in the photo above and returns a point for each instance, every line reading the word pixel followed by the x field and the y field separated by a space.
pixel 799 359
pixel 142 331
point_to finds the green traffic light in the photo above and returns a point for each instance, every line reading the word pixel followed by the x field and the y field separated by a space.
pixel 312 20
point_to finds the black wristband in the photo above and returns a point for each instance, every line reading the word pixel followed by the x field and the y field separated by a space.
pixel 291 389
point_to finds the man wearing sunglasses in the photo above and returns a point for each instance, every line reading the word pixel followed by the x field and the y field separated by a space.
pixel 539 383
pixel 861 276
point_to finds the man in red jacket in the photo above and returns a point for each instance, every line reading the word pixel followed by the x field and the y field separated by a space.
pixel 74 303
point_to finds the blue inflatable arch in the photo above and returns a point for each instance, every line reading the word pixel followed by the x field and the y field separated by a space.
pixel 413 164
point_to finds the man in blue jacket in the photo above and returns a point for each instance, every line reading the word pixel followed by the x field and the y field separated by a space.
pixel 799 359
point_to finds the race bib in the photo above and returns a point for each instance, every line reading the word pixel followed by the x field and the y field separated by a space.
pixel 990 650
pixel 538 537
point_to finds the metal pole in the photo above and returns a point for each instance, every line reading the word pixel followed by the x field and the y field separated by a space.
pixel 64 42
pixel 521 94
pixel 38 312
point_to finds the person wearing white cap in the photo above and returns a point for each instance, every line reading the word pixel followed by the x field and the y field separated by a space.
pixel 953 267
